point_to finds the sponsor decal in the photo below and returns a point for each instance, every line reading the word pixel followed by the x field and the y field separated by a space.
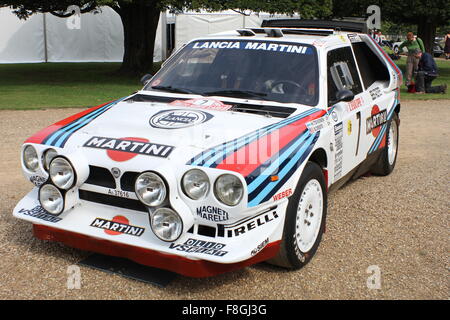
pixel 260 247
pixel 339 152
pixel 123 149
pixel 375 93
pixel 282 195
pixel 248 224
pixel 40 213
pixel 37 180
pixel 349 127
pixel 212 213
pixel 119 193
pixel 355 104
pixel 200 246
pixel 178 118
pixel 354 38
pixel 118 225
pixel 209 104
pixel 316 125
pixel 249 45
pixel 375 121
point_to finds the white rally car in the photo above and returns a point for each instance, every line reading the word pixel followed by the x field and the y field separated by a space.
pixel 225 158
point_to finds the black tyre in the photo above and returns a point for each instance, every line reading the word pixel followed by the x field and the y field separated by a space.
pixel 388 156
pixel 305 220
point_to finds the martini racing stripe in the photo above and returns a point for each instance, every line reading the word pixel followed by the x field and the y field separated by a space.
pixel 213 156
pixel 382 132
pixel 272 165
pixel 60 137
pixel 291 163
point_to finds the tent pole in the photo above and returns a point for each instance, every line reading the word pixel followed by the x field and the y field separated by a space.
pixel 44 21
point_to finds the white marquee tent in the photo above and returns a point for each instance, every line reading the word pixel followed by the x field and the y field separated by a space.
pixel 99 37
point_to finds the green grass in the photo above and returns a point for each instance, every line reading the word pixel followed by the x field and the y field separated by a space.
pixel 63 85
pixel 444 77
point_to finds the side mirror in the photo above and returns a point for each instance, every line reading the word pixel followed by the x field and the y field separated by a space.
pixel 146 78
pixel 344 95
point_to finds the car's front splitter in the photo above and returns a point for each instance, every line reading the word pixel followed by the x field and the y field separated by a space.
pixel 178 264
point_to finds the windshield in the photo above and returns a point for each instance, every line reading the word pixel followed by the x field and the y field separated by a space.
pixel 263 70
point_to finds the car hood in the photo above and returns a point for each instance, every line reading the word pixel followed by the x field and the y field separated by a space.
pixel 173 132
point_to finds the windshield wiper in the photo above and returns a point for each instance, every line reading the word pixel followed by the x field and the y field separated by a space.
pixel 232 92
pixel 174 90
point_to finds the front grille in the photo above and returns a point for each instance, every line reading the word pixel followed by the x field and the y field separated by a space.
pixel 127 181
pixel 101 177
pixel 108 200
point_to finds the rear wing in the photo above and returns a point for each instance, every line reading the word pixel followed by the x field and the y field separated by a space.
pixel 338 25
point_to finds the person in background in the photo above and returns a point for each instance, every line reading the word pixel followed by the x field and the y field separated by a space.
pixel 427 72
pixel 375 36
pixel 447 45
pixel 411 63
pixel 380 38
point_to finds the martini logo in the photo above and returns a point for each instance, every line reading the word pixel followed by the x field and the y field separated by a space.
pixel 118 225
pixel 375 121
pixel 178 118
pixel 123 149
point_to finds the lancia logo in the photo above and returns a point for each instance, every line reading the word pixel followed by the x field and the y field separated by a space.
pixel 178 118
pixel 115 172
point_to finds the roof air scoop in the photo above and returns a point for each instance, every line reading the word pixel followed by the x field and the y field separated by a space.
pixel 274 33
pixel 246 32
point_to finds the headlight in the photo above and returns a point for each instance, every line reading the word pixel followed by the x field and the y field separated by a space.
pixel 166 224
pixel 195 184
pixel 150 189
pixel 47 157
pixel 228 189
pixel 30 158
pixel 62 173
pixel 51 199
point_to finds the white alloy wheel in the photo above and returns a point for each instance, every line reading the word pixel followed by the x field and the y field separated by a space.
pixel 392 139
pixel 309 215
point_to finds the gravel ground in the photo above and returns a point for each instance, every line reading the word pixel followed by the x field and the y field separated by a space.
pixel 398 223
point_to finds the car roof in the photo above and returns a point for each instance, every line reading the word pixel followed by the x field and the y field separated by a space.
pixel 316 37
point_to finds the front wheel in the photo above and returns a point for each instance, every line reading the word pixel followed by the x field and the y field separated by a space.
pixel 305 220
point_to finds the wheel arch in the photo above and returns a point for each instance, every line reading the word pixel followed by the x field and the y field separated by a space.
pixel 320 157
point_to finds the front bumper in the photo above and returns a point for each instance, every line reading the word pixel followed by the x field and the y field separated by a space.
pixel 192 255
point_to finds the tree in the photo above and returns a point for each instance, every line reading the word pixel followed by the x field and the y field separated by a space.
pixel 427 15
pixel 140 17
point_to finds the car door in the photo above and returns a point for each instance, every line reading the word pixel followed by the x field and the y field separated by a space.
pixel 377 100
pixel 346 117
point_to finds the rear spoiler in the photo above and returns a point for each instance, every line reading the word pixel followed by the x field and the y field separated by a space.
pixel 338 25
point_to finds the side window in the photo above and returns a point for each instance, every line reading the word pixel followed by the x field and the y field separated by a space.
pixel 370 66
pixel 342 73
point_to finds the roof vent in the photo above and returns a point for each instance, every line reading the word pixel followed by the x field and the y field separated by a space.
pixel 246 32
pixel 275 33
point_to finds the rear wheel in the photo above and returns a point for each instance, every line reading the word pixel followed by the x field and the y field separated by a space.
pixel 388 157
pixel 305 220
